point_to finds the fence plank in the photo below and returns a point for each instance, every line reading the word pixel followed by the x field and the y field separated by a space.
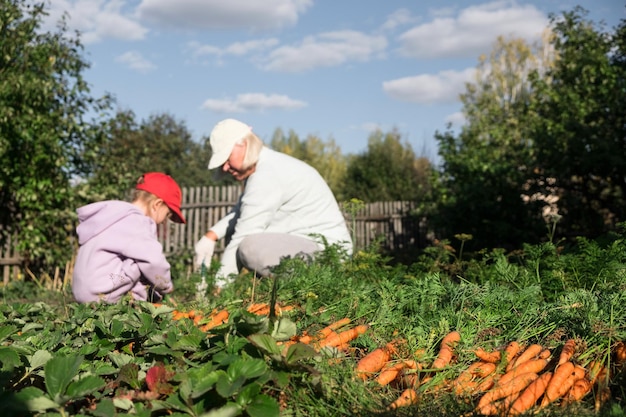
pixel 389 221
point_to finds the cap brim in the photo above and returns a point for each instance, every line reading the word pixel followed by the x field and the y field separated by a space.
pixel 177 216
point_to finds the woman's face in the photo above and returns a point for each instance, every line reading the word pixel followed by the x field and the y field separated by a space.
pixel 234 164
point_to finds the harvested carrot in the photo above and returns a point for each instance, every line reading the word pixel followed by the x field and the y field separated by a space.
pixel 569 348
pixel 531 394
pixel 389 373
pixel 545 354
pixel 346 336
pixel 375 360
pixel 535 366
pixel 486 383
pixel 485 356
pixel 580 388
pixel 510 352
pixel 619 353
pixel 326 331
pixel 560 383
pixel 217 318
pixel 531 352
pixel 487 402
pixel 465 383
pixel 407 398
pixel 595 370
pixel 446 350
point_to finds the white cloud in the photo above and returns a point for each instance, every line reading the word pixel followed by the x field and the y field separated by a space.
pixel 222 14
pixel 136 61
pixel 456 119
pixel 325 50
pixel 237 49
pixel 398 18
pixel 473 31
pixel 97 20
pixel 443 87
pixel 252 102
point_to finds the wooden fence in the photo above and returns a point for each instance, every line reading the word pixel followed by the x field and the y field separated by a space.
pixel 391 222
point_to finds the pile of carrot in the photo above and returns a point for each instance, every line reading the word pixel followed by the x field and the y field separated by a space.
pixel 516 379
pixel 337 334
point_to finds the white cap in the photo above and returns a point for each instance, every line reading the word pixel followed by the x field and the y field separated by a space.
pixel 224 136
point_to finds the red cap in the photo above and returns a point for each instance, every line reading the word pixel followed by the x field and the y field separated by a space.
pixel 164 187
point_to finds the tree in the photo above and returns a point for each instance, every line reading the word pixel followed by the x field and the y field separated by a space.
pixel 44 103
pixel 325 157
pixel 582 124
pixel 160 143
pixel 387 171
pixel 486 166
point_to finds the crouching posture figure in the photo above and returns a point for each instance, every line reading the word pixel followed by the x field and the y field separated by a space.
pixel 285 209
pixel 119 251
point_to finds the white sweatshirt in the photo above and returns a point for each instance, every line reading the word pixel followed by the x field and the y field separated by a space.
pixel 283 195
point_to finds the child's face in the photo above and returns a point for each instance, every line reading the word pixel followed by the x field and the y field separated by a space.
pixel 159 212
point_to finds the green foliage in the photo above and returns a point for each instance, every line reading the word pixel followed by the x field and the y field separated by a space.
pixel 582 124
pixel 44 102
pixel 486 166
pixel 387 171
pixel 132 357
pixel 160 143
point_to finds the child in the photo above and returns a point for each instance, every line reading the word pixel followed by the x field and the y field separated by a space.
pixel 119 251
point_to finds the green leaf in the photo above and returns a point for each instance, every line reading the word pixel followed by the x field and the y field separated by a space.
pixel 85 386
pixel 299 351
pixel 59 371
pixel 7 331
pixel 263 406
pixel 284 329
pixel 228 410
pixel 247 367
pixel 265 342
pixel 248 393
pixel 34 399
pixel 204 384
pixel 39 359
pixel 227 386
pixel 9 358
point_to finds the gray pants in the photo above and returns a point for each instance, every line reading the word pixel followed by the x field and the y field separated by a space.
pixel 260 252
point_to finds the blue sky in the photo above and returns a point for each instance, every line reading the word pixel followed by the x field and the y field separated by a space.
pixel 332 68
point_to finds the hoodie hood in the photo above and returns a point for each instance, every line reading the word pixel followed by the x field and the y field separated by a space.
pixel 97 217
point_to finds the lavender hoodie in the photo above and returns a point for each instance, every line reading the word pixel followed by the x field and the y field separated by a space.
pixel 119 253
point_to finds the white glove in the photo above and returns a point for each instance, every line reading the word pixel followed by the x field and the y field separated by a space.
pixel 204 249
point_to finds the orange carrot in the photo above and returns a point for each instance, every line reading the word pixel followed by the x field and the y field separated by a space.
pixel 389 373
pixel 559 383
pixel 408 397
pixel 485 356
pixel 535 365
pixel 217 318
pixel 545 354
pixel 619 353
pixel 529 397
pixel 596 368
pixel 569 348
pixel 326 331
pixel 510 352
pixel 375 360
pixel 517 384
pixel 486 384
pixel 580 388
pixel 346 336
pixel 531 352
pixel 446 350
pixel 465 384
